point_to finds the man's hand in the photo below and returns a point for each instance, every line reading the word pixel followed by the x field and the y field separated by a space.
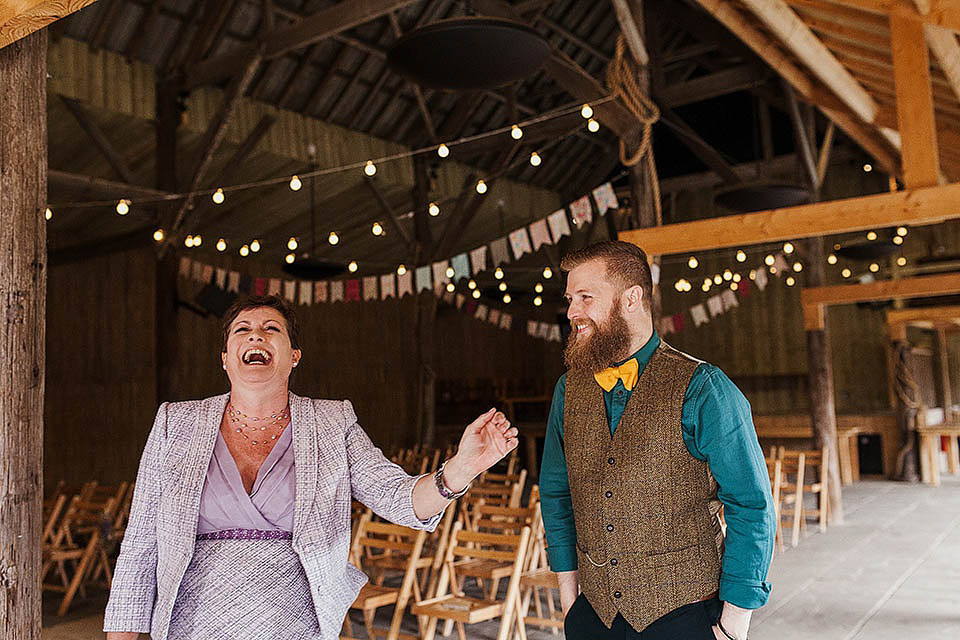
pixel 735 620
pixel 569 589
pixel 485 441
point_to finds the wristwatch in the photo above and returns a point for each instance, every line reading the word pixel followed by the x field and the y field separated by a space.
pixel 442 486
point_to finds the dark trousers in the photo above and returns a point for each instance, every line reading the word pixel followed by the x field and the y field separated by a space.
pixel 689 622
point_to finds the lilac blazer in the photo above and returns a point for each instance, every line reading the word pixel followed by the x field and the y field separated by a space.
pixel 334 461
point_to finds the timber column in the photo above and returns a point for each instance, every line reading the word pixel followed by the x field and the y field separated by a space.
pixel 23 283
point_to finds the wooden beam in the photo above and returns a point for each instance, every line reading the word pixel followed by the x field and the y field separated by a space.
pixel 721 83
pixel 392 217
pixel 929 205
pixel 700 148
pixel 96 134
pixel 823 159
pixel 23 17
pixel 99 188
pixel 631 32
pixel 321 25
pixel 939 13
pixel 903 288
pixel 911 75
pixel 933 315
pixel 943 44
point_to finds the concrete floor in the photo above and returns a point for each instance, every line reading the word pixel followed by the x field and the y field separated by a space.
pixel 891 572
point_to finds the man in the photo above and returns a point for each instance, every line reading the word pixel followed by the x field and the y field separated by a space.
pixel 643 445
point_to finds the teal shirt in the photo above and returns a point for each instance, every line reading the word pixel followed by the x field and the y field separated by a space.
pixel 718 428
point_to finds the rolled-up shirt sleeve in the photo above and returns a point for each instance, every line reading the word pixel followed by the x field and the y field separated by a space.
pixel 718 427
pixel 555 500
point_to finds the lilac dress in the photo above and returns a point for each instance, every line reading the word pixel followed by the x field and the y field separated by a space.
pixel 245 581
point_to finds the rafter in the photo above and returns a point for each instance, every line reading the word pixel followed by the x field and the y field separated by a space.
pixel 96 134
pixel 392 218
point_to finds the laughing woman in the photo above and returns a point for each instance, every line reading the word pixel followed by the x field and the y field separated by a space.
pixel 240 525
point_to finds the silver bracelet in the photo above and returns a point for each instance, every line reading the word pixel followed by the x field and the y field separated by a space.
pixel 442 486
pixel 724 631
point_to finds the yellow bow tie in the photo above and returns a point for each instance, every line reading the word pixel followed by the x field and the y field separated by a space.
pixel 628 372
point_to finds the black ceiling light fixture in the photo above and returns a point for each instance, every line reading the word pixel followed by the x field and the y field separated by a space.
pixel 468 53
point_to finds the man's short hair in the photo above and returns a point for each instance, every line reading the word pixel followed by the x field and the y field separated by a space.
pixel 626 265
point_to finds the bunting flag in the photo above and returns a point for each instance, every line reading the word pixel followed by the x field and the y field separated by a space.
pixel 780 264
pixel 459 300
pixel 581 211
pixel 370 288
pixel 478 259
pixel 499 252
pixel 714 306
pixel 744 289
pixel 699 315
pixel 761 279
pixel 729 299
pixel 493 316
pixel 558 224
pixel 404 284
pixel 273 286
pixel 423 278
pixel 540 234
pixel 260 287
pixel 678 322
pixel 447 297
pixel 336 291
pixel 655 274
pixel 506 321
pixel 206 276
pixel 321 291
pixel 352 290
pixel 666 326
pixel 461 266
pixel 554 335
pixel 520 242
pixel 543 330
pixel 233 282
pixel 221 278
pixel 185 268
pixel 440 272
pixel 387 286
pixel 481 313
pixel 290 290
pixel 246 284
pixel 605 198
pixel 196 271
pixel 471 307
pixel 532 328
pixel 306 293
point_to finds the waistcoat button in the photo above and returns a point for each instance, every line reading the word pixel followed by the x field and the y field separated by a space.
pixel 617 594
pixel 611 460
pixel 609 494
pixel 609 527
pixel 613 562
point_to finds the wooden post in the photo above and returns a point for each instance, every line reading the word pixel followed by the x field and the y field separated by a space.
pixel 906 393
pixel 23 257
pixel 426 309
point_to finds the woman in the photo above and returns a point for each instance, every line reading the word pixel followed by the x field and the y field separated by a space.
pixel 240 524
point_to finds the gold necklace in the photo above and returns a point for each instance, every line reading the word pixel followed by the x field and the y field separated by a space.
pixel 240 422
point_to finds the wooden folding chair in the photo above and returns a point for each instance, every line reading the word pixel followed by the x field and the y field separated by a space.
pixel 792 465
pixel 493 519
pixel 775 473
pixel 536 576
pixel 378 539
pixel 452 604
pixel 111 537
pixel 815 482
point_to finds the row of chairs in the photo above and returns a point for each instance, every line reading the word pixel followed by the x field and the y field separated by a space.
pixel 794 475
pixel 81 532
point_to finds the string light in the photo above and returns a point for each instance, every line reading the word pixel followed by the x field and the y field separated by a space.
pixel 197 240
pixel 538 288
pixel 846 273
pixel 244 251
pixel 682 285
pixel 290 258
pixel 901 231
pixel 708 282
pixel 376 229
pixel 734 286
pixel 788 248
pixel 717 279
pixel 333 238
pixel 867 167
pixel 537 301
pixel 790 281
pixel 48 213
pixel 370 169
pixel 741 256
pixel 352 267
pixel 158 235
pixel 832 259
pixel 292 243
pixel 123 207
pixel 401 270
pixel 693 263
pixel 705 287
pixel 516 132
pixel 450 272
pixel 901 261
pixel 434 209
pixel 535 159
pixel 443 150
pixel 255 246
pixel 188 242
pixel 586 112
pixel 798 267
pixel 476 294
pixel 472 285
pixel 450 287
pixel 217 196
pixel 727 275
pixel 481 187
pixel 295 183
pixel 502 286
pixel 753 274
pixel 769 260
pixel 547 273
pixel 593 126
pixel 773 270
pixel 871 235
pixel 221 245
pixel 498 274
pixel 897 240
pixel 737 277
pixel 874 267
pixel 506 298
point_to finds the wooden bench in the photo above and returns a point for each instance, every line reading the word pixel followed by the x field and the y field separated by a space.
pixel 930 436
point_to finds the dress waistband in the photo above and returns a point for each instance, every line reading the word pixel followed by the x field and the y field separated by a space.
pixel 246 534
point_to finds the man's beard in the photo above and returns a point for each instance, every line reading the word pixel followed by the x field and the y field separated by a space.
pixel 606 344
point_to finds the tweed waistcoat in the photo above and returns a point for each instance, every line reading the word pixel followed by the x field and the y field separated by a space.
pixel 648 535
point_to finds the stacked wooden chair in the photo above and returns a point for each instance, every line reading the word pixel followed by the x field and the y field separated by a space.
pixel 803 473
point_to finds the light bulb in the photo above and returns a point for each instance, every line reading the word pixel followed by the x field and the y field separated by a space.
pixel 874 267
pixel 538 288
pixel 333 238
pixel 370 169
pixel 737 277
pixel 295 183
pixel 472 285
pixel 693 263
pixel 867 167
pixel 502 286
pixel 255 246
pixel 188 242
pixel 901 231
pixel 769 260
pixel 787 247
pixel 705 287
pixel 450 272
pixel 727 275
pixel 537 301
pixel 846 273
pixel 707 282
pixel 475 294
pixel 547 273
pixel 798 267
pixel 123 207
pixel 217 196
pixel 158 235
pixel 790 281
pixel 535 159
pixel 773 270
pixel 871 235
pixel 48 213
pixel 832 259
pixel 353 266
pixel 292 244
pixel 290 258
pixel 450 287
pixel 498 274
pixel 443 150
pixel 401 270
pixel 221 245
pixel 734 286
pixel 678 285
pixel 586 112
pixel 506 298
pixel 481 187
pixel 593 126
pixel 898 240
pixel 197 240
pixel 717 279
pixel 434 209
pixel 753 274
pixel 741 256
pixel 901 261
pixel 516 132
pixel 376 229
pixel 244 251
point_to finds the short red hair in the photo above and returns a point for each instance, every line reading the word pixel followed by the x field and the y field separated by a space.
pixel 626 265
